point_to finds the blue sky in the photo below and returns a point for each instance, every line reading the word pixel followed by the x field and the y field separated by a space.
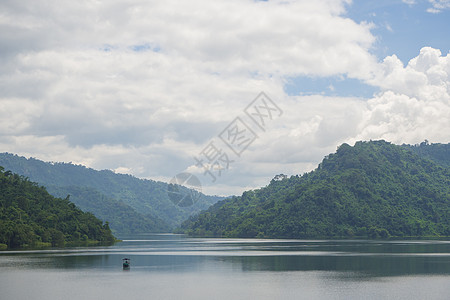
pixel 402 29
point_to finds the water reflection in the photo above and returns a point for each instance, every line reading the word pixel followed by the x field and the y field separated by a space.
pixel 176 267
pixel 178 253
pixel 368 265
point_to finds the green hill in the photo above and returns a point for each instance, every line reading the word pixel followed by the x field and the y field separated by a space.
pixel 30 216
pixel 129 204
pixel 374 189
pixel 121 217
pixel 439 153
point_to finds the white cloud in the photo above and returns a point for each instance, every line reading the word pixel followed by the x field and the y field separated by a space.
pixel 401 119
pixel 438 6
pixel 415 102
pixel 274 37
pixel 426 76
pixel 144 86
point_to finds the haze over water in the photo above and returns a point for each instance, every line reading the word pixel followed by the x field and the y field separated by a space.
pixel 176 267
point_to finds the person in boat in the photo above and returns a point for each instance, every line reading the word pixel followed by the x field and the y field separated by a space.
pixel 126 262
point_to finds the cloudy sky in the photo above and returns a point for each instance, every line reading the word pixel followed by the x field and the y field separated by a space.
pixel 156 88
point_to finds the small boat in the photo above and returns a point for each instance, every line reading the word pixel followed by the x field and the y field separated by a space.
pixel 126 263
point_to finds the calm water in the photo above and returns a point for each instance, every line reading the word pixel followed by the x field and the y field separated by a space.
pixel 176 267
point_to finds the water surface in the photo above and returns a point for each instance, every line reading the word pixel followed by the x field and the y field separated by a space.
pixel 176 267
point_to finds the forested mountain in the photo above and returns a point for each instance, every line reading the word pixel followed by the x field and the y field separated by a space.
pixel 374 189
pixel 439 153
pixel 130 204
pixel 30 216
pixel 124 218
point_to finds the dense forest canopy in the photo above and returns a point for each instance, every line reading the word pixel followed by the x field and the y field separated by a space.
pixel 374 189
pixel 129 204
pixel 30 216
pixel 439 153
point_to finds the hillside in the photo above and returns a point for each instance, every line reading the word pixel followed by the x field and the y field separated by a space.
pixel 131 205
pixel 374 189
pixel 122 218
pixel 439 153
pixel 30 216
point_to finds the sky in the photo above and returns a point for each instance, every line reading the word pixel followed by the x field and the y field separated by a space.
pixel 233 92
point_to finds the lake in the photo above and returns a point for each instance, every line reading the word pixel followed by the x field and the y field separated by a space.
pixel 177 267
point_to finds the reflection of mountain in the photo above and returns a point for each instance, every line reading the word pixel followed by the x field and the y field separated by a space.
pixel 355 258
pixel 341 259
pixel 128 203
pixel 374 189
pixel 360 266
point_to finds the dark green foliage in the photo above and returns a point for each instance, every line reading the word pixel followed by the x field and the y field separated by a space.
pixel 129 204
pixel 440 153
pixel 374 189
pixel 30 216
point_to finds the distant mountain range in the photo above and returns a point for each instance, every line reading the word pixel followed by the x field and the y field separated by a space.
pixel 129 204
pixel 373 190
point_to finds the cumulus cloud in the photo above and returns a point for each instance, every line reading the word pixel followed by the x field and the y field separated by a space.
pixel 426 76
pixel 438 6
pixel 142 87
pixel 288 37
pixel 415 102
pixel 402 119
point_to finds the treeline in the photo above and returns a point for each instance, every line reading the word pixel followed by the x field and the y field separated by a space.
pixel 439 153
pixel 30 216
pixel 372 190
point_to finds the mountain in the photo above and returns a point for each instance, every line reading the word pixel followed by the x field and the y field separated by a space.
pixel 129 204
pixel 30 216
pixel 122 217
pixel 373 189
pixel 439 153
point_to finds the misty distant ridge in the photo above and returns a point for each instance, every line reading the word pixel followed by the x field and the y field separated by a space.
pixel 129 204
